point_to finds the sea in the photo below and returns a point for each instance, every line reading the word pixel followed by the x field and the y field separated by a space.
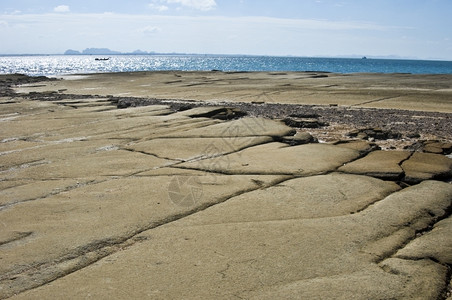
pixel 58 65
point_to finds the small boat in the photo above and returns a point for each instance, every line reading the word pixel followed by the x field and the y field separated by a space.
pixel 102 58
pixel 364 57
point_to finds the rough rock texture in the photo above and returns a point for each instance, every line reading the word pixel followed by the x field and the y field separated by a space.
pixel 422 166
pixel 299 138
pixel 435 244
pixel 149 202
pixel 381 164
pixel 278 158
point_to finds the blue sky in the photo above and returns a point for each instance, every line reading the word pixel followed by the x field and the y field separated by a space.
pixel 405 28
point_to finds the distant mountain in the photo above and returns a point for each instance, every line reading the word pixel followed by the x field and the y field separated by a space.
pixel 92 51
pixel 106 51
pixel 138 52
pixel 103 51
pixel 72 52
pixel 99 51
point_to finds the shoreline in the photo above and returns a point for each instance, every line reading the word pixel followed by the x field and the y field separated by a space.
pixel 336 121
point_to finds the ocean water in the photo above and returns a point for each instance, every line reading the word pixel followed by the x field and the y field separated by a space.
pixel 54 65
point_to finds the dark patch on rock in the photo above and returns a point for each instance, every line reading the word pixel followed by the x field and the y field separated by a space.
pixel 319 76
pixel 125 103
pixel 7 81
pixel 374 133
pixel 431 146
pixel 299 138
pixel 222 113
pixel 304 122
pixel 305 115
pixel 182 107
pixel 413 135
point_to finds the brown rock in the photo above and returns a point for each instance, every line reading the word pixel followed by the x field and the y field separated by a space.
pixel 380 164
pixel 361 146
pixel 278 158
pixel 423 166
pixel 437 147
pixel 376 133
pixel 299 139
pixel 433 149
pixel 436 243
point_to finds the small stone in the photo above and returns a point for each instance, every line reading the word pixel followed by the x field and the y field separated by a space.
pixel 361 146
pixel 221 113
pixel 353 133
pixel 375 133
pixel 433 149
pixel 413 135
pixel 125 103
pixel 299 139
pixel 362 136
pixel 304 122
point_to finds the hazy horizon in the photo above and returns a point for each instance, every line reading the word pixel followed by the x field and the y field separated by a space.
pixel 345 56
pixel 311 28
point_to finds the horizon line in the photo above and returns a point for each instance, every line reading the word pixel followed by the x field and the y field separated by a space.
pixel 145 53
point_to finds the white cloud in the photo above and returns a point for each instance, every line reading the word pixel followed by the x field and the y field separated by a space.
pixel 203 5
pixel 158 7
pixel 150 30
pixel 61 9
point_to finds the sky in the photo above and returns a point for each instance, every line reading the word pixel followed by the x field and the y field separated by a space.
pixel 419 29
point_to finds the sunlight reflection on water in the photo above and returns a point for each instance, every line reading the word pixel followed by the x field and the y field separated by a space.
pixel 80 64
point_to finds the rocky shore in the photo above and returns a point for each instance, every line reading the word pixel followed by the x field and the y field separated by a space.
pixel 226 185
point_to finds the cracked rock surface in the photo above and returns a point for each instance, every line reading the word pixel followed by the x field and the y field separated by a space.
pixel 145 202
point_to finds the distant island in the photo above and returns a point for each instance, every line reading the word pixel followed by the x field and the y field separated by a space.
pixel 106 51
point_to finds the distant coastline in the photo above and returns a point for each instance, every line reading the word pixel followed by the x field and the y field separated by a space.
pixel 107 51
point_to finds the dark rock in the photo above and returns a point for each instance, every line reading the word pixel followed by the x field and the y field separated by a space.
pixel 413 135
pixel 299 139
pixel 353 133
pixel 7 81
pixel 416 146
pixel 374 133
pixel 305 115
pixel 222 113
pixel 319 76
pixel 431 146
pixel 183 107
pixel 124 103
pixel 304 122
pixel 362 136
